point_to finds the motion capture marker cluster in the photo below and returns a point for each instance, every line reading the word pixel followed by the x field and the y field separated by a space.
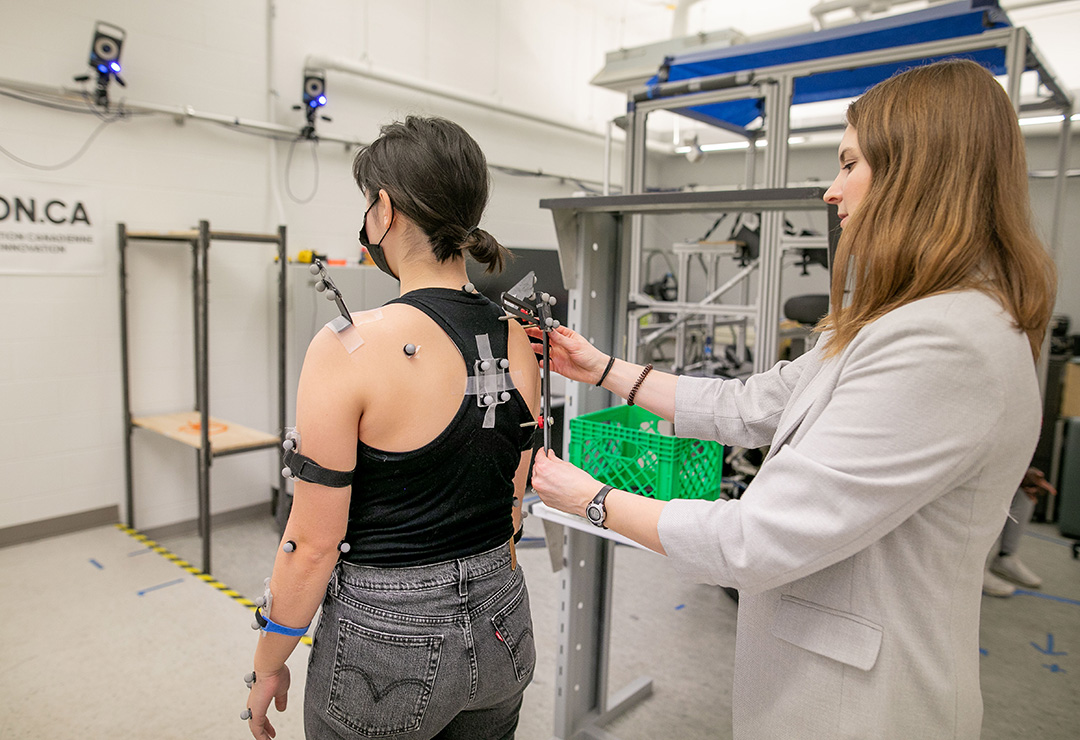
pixel 263 602
pixel 324 282
pixel 342 325
pixel 289 546
pixel 245 715
pixel 489 380
pixel 523 304
pixel 291 443
pixel 298 467
pixel 249 679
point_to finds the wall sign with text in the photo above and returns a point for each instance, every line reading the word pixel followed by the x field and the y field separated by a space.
pixel 50 228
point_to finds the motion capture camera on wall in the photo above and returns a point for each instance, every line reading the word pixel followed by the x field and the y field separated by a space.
pixel 105 59
pixel 314 98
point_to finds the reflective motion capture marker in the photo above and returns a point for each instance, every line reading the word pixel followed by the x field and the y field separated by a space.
pixel 289 546
pixel 249 679
pixel 410 350
pixel 245 715
pixel 344 546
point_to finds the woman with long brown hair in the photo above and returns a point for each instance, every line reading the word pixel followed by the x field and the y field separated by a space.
pixel 895 445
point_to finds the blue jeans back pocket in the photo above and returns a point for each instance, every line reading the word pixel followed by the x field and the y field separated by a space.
pixel 382 682
pixel 513 626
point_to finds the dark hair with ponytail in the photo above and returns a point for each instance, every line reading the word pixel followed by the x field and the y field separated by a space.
pixel 436 174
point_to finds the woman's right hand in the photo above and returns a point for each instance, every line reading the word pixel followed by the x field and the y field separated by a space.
pixel 268 687
pixel 570 353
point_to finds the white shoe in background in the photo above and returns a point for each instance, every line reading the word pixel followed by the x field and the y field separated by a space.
pixel 994 586
pixel 1010 568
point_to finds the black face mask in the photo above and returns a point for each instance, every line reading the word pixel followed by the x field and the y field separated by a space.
pixel 376 250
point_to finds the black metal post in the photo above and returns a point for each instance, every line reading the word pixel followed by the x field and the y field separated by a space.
pixel 547 390
pixel 125 379
pixel 202 386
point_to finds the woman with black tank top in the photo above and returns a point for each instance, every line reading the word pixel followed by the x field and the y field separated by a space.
pixel 425 629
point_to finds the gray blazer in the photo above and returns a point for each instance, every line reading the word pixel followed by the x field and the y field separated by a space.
pixel 858 549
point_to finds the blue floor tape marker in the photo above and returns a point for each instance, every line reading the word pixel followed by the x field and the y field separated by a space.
pixel 1062 599
pixel 160 585
pixel 96 564
pixel 139 552
pixel 1049 649
pixel 1048 538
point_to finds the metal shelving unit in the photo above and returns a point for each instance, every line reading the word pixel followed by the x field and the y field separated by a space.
pixel 210 437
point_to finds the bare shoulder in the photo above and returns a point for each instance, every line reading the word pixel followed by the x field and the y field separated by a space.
pixel 355 344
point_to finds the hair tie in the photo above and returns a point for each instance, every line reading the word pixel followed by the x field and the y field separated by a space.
pixel 470 231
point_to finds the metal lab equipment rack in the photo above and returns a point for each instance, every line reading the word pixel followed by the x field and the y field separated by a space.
pixel 193 428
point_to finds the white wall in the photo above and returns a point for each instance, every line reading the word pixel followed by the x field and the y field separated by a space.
pixel 60 398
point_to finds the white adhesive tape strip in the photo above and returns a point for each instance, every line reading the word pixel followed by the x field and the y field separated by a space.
pixel 346 333
pixel 488 384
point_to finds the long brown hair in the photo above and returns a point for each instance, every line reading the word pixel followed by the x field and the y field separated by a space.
pixel 947 207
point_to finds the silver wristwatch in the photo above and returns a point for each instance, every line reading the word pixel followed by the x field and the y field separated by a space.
pixel 596 512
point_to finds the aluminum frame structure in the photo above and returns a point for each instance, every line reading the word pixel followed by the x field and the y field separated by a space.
pixel 199 242
pixel 600 241
pixel 774 86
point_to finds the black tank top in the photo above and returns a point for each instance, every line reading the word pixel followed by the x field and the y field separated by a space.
pixel 453 497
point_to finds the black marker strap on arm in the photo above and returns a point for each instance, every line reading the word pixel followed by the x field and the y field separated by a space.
pixel 306 469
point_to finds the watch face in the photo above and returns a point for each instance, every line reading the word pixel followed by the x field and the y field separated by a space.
pixel 595 513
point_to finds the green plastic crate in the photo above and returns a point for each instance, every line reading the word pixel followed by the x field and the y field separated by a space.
pixel 621 447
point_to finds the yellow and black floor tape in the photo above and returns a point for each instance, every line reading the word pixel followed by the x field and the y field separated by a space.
pixel 204 577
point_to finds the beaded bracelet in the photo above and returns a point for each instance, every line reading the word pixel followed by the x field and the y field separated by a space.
pixel 637 384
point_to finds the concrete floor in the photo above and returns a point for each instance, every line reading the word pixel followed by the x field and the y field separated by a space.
pixel 107 639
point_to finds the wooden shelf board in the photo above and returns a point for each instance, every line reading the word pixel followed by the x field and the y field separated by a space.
pixel 164 235
pixel 225 436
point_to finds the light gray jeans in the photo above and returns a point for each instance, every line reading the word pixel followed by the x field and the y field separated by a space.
pixel 1019 515
pixel 438 651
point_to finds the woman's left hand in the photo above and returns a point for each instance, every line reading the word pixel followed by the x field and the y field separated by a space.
pixel 561 485
pixel 1035 483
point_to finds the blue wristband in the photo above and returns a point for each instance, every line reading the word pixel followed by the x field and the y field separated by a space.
pixel 267 625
